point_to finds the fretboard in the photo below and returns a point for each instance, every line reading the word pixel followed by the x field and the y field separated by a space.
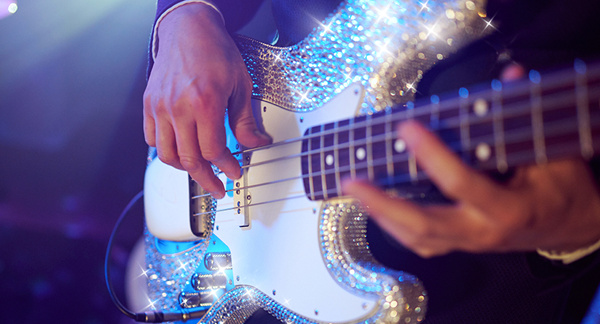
pixel 495 127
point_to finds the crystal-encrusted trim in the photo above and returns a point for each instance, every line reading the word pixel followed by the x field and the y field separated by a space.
pixel 385 45
pixel 169 273
pixel 343 238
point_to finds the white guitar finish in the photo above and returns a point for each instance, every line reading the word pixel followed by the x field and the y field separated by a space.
pixel 302 260
pixel 167 202
pixel 278 252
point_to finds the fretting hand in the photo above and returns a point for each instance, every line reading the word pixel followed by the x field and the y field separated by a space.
pixel 198 72
pixel 549 207
pixel 552 207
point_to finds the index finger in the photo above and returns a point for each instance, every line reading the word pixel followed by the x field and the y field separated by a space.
pixel 455 179
pixel 190 158
pixel 212 136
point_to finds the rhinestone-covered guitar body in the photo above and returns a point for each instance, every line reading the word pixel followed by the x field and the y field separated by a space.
pixel 307 261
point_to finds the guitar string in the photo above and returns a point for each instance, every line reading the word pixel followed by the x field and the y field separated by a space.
pixel 557 128
pixel 488 139
pixel 449 124
pixel 399 180
pixel 516 88
pixel 325 173
pixel 514 110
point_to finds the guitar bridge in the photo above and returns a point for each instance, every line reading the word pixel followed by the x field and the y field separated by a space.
pixel 241 195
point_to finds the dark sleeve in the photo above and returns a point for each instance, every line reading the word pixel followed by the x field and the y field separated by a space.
pixel 236 13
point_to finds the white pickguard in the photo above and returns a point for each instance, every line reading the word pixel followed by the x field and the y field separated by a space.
pixel 278 251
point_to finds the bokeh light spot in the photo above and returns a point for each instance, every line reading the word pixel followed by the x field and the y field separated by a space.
pixel 12 8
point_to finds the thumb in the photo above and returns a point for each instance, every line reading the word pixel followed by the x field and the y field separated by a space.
pixel 242 120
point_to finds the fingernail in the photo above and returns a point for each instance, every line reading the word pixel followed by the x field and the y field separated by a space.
pixel 217 195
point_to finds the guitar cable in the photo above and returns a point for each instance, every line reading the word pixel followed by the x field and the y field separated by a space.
pixel 146 317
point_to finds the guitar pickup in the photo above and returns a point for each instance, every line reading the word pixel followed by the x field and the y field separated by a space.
pixel 202 205
pixel 196 299
pixel 217 261
pixel 209 281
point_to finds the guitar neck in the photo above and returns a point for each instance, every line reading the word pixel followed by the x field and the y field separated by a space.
pixel 493 128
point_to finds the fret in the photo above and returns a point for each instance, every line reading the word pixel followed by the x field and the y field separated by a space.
pixel 316 161
pixel 336 154
pixel 351 152
pixel 344 150
pixel 323 164
pixel 498 121
pixel 537 118
pixel 389 155
pixel 480 128
pixel 583 110
pixel 310 167
pixel 379 150
pixel 327 160
pixel 465 138
pixel 412 161
pixel 518 123
pixel 369 146
pixel 360 154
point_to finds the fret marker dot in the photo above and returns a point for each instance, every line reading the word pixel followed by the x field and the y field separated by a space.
pixel 361 153
pixel 329 159
pixel 483 152
pixel 399 145
pixel 481 107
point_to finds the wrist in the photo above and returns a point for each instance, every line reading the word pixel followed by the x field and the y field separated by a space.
pixel 196 10
pixel 183 18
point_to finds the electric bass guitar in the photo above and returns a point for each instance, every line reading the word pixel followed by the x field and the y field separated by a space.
pixel 284 238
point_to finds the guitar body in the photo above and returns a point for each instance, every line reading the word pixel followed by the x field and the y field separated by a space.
pixel 303 260
pixel 282 240
pixel 298 258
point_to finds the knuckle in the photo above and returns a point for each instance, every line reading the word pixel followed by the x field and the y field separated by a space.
pixel 213 154
pixel 178 110
pixel 425 253
pixel 150 99
pixel 149 139
pixel 247 82
pixel 189 163
pixel 167 157
pixel 210 156
pixel 245 123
